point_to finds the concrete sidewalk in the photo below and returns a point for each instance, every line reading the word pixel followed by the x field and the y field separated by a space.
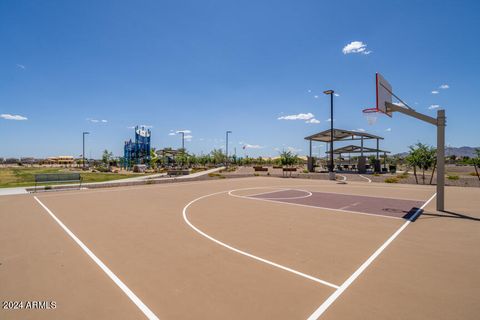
pixel 150 179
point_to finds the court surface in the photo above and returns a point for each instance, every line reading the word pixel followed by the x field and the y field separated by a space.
pixel 249 248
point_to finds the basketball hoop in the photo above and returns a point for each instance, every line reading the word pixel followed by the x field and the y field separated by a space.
pixel 371 115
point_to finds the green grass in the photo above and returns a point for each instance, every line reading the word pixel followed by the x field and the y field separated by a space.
pixel 453 177
pixel 24 177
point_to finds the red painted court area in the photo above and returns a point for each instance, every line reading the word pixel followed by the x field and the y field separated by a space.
pixel 389 207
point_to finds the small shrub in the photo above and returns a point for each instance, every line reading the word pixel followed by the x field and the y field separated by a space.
pixel 376 174
pixel 305 171
pixel 391 180
pixel 473 174
pixel 453 177
pixel 256 174
pixel 403 175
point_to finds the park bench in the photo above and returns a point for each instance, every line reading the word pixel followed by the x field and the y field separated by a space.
pixel 259 168
pixel 288 170
pixel 57 178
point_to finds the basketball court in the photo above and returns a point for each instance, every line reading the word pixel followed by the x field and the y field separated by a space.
pixel 248 248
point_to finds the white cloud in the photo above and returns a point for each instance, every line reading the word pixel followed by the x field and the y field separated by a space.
pixel 300 116
pixel 444 86
pixel 15 117
pixel 328 120
pixel 313 120
pixel 388 129
pixel 356 47
pixel 146 126
pixel 316 97
pixel 96 120
pixel 360 130
pixel 171 134
pixel 434 92
pixel 184 131
pixel 336 95
pixel 252 146
pixel 309 90
pixel 434 106
pixel 21 66
pixel 188 137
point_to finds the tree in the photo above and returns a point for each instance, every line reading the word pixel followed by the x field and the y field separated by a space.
pixel 153 158
pixel 287 158
pixel 217 156
pixel 106 156
pixel 476 161
pixel 423 157
pixel 413 160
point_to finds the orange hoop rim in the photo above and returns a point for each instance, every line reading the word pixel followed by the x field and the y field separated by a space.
pixel 370 110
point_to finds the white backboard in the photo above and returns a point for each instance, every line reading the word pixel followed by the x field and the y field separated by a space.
pixel 384 93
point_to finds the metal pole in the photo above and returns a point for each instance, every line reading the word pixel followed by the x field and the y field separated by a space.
pixel 83 148
pixel 83 151
pixel 310 160
pixel 441 160
pixel 331 132
pixel 440 122
pixel 183 141
pixel 226 147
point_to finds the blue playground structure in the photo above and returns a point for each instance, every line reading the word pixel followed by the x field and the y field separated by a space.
pixel 137 152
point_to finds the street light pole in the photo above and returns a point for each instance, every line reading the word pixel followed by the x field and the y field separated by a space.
pixel 331 166
pixel 83 149
pixel 226 147
pixel 183 141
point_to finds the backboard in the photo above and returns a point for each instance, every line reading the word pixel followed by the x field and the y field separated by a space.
pixel 384 94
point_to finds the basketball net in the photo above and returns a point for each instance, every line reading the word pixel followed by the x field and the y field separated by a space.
pixel 371 114
pixel 371 118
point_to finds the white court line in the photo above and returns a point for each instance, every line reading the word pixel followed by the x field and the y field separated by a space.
pixel 324 306
pixel 148 313
pixel 310 206
pixel 308 194
pixel 350 205
pixel 301 274
pixel 267 192
pixel 369 180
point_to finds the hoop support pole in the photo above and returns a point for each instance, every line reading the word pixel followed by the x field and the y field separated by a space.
pixel 440 122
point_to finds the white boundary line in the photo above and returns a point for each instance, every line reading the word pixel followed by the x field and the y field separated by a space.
pixel 315 207
pixel 148 313
pixel 327 303
pixel 368 179
pixel 301 274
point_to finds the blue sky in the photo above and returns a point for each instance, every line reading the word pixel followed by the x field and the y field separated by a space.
pixel 211 66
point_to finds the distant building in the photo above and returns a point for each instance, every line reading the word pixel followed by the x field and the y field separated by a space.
pixel 63 160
